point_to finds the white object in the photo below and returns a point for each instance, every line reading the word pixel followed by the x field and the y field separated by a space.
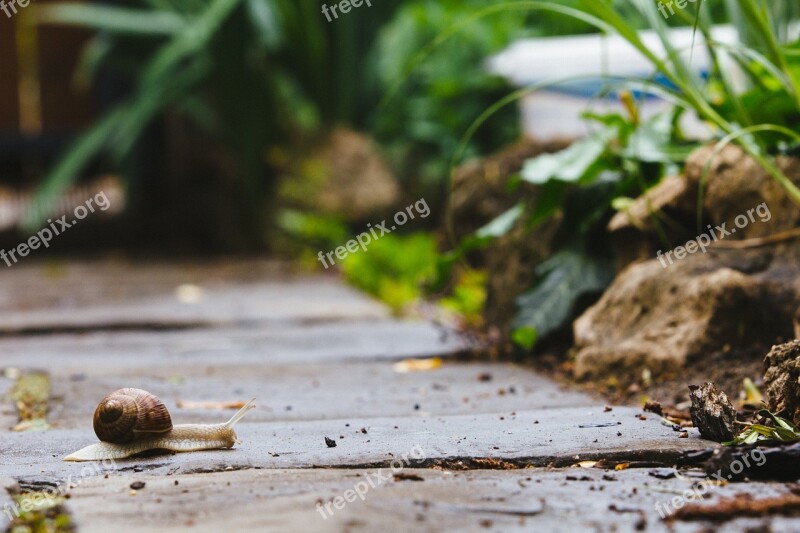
pixel 555 112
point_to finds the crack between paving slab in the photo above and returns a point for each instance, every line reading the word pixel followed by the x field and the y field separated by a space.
pixel 38 331
pixel 162 325
pixel 634 458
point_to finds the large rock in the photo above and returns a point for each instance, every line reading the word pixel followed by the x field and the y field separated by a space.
pixel 657 318
pixel 782 380
pixel 660 313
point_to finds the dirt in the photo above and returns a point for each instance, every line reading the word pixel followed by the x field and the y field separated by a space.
pixel 739 506
pixel 726 368
pixel 781 379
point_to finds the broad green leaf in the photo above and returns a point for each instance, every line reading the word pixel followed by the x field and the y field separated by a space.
pixel 652 142
pixel 572 164
pixel 566 276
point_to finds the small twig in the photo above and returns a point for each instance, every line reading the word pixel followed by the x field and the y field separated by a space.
pixel 759 241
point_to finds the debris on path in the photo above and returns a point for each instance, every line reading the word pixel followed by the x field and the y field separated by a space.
pixel 712 412
pixel 740 506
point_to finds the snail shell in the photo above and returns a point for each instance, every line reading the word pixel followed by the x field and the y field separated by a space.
pixel 127 414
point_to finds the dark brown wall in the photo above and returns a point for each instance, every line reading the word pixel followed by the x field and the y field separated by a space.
pixel 9 119
pixel 63 107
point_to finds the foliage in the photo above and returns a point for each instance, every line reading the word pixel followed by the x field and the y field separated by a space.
pixel 394 268
pixel 436 101
pixel 765 63
pixel 631 155
pixel 772 99
pixel 773 428
pixel 399 269
pixel 468 296
pixel 584 182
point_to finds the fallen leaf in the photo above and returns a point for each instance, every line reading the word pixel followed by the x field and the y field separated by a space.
pixel 417 365
pixel 38 424
pixel 189 294
pixel 622 466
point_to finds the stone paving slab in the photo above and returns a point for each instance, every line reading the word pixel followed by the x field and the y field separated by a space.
pixel 316 391
pixel 83 284
pixel 351 340
pixel 557 437
pixel 124 296
pixel 518 500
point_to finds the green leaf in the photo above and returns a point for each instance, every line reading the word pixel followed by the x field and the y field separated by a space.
pixel 566 276
pixel 194 38
pixel 573 164
pixel 652 142
pixel 264 18
pixel 525 337
pixel 113 19
pixel 751 437
pixel 502 224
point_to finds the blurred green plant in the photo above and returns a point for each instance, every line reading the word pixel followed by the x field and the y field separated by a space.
pixel 468 296
pixel 395 268
pixel 586 182
pixel 248 73
pixel 429 104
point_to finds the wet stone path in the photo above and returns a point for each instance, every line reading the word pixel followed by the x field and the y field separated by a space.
pixel 423 438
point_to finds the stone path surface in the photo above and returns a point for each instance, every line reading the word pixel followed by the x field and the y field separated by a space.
pixel 464 445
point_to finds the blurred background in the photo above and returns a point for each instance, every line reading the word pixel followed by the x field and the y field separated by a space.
pixel 260 127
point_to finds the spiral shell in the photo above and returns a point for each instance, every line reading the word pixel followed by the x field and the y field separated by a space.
pixel 126 414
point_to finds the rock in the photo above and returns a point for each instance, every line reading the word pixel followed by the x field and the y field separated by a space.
pixel 660 313
pixel 735 185
pixel 782 380
pixel 712 412
pixel 346 176
pixel 659 318
pixel 633 230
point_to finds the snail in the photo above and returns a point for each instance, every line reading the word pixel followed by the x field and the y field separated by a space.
pixel 131 421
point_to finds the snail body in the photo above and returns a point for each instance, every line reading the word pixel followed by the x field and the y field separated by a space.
pixel 132 421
